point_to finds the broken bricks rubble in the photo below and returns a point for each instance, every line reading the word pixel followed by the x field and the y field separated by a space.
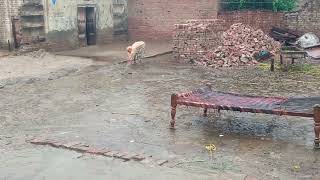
pixel 203 43
pixel 83 148
pixel 195 38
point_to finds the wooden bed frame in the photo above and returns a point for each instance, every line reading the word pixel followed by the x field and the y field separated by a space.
pixel 203 98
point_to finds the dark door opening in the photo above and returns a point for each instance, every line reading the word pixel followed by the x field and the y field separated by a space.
pixel 16 30
pixel 91 25
pixel 87 25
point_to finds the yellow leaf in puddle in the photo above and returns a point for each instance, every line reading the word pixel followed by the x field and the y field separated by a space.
pixel 296 168
pixel 210 147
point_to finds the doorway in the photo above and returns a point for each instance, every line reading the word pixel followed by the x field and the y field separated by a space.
pixel 87 25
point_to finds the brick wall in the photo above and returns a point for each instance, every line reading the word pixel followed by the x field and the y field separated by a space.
pixel 307 19
pixel 155 19
pixel 194 39
pixel 263 20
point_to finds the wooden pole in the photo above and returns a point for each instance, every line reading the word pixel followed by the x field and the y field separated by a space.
pixel 205 112
pixel 272 65
pixel 316 111
pixel 9 46
pixel 174 104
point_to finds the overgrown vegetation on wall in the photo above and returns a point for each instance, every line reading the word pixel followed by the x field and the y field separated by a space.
pixel 273 5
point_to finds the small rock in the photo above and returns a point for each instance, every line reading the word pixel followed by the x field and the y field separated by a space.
pixel 126 156
pixel 108 154
pixel 138 158
pixel 70 144
pixel 97 151
pixel 244 59
pixel 248 177
pixel 8 143
pixel 162 162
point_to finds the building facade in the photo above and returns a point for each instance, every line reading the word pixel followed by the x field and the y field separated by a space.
pixel 8 9
pixel 67 24
pixel 61 24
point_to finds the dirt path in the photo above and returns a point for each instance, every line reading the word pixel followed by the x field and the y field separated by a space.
pixel 126 108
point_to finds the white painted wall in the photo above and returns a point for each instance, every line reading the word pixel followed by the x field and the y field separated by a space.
pixel 62 16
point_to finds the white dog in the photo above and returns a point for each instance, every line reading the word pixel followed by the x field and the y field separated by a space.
pixel 136 52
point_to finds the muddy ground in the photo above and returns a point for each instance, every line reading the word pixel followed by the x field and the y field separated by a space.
pixel 127 108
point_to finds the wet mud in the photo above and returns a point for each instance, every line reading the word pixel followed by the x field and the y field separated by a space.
pixel 128 108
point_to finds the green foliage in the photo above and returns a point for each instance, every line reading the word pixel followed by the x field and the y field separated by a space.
pixel 275 5
pixel 284 5
pixel 307 69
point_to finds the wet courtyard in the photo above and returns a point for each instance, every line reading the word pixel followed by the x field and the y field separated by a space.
pixel 127 109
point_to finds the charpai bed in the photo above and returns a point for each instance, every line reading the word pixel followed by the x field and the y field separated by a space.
pixel 206 98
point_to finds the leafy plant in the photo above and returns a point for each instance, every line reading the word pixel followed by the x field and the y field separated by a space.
pixel 284 5
pixel 275 5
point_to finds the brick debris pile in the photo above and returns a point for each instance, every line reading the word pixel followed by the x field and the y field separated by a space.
pixel 239 44
pixel 233 47
pixel 193 40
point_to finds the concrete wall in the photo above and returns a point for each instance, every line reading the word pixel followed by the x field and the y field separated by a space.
pixel 61 21
pixel 155 19
pixel 120 20
pixel 8 9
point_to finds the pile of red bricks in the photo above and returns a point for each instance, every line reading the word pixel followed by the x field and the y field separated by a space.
pixel 238 46
pixel 193 40
pixel 209 43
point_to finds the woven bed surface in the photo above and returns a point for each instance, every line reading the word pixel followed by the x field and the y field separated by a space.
pixel 207 96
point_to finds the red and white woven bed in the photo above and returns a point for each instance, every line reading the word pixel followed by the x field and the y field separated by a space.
pixel 206 98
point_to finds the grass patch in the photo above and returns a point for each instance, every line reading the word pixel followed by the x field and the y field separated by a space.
pixel 266 66
pixel 307 69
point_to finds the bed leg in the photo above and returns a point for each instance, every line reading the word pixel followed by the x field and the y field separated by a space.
pixel 174 105
pixel 317 126
pixel 205 112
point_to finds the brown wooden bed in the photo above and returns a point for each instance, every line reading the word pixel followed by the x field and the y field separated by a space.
pixel 206 98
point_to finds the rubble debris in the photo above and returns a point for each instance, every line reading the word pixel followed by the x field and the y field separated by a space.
pixel 37 54
pixel 194 42
pixel 195 38
pixel 285 35
pixel 83 148
pixel 313 52
pixel 25 49
pixel 308 40
pixel 239 45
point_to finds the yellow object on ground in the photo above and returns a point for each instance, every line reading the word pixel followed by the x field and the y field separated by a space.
pixel 211 147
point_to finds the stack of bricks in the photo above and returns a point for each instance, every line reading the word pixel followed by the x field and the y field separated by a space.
pixel 194 39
